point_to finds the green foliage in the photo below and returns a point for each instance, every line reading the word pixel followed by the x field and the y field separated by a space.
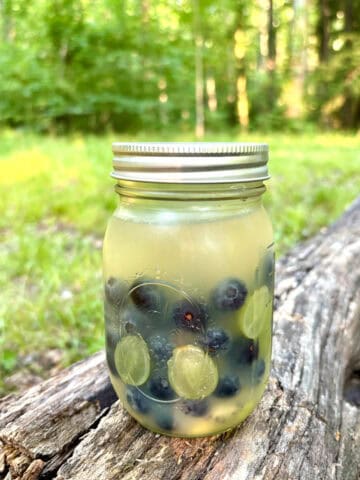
pixel 71 65
pixel 77 73
pixel 266 114
pixel 56 199
pixel 337 100
pixel 334 87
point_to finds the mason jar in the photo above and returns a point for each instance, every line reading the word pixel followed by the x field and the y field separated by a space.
pixel 188 278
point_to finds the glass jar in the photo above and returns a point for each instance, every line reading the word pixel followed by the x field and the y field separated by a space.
pixel 189 274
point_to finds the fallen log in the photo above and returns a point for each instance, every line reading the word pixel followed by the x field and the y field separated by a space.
pixel 306 427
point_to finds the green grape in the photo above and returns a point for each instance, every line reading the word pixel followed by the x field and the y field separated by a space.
pixel 255 312
pixel 132 360
pixel 192 372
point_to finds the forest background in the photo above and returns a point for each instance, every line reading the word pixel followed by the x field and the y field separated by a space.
pixel 76 75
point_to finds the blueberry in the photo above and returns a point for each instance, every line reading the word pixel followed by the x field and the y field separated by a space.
pixel 115 291
pixel 146 295
pixel 111 317
pixel 265 273
pixel 195 408
pixel 130 327
pixel 160 388
pixel 245 350
pixel 269 265
pixel 189 316
pixel 160 348
pixel 259 368
pixel 129 319
pixel 227 386
pixel 111 339
pixel 229 295
pixel 216 340
pixel 165 421
pixel 137 400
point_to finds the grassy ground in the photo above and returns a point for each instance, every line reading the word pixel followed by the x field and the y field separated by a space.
pixel 56 196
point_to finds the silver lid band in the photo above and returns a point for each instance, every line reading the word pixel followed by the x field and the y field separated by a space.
pixel 195 162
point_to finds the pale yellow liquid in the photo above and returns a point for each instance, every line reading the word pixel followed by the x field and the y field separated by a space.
pixel 193 253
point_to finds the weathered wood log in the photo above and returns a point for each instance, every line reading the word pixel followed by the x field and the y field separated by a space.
pixel 72 427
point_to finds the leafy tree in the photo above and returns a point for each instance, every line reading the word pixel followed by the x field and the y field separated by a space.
pixel 130 64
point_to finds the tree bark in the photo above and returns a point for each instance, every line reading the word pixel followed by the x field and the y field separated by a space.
pixel 349 14
pixel 240 49
pixel 324 30
pixel 199 72
pixel 351 105
pixel 290 44
pixel 271 92
pixel 307 426
pixel 271 37
pixel 297 67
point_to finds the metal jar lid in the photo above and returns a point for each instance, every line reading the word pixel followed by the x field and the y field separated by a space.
pixel 193 162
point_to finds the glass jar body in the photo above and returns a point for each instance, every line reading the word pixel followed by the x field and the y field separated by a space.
pixel 188 307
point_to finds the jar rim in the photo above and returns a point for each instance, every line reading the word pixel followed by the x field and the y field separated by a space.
pixel 190 162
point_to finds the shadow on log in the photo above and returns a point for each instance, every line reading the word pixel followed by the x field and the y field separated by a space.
pixel 306 427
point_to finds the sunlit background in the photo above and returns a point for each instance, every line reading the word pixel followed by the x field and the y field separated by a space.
pixel 76 75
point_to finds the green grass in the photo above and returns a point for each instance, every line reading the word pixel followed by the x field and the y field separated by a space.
pixel 56 196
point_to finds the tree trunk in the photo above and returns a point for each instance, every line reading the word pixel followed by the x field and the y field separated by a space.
pixel 199 72
pixel 290 40
pixel 298 64
pixel 349 13
pixel 307 426
pixel 351 105
pixel 271 37
pixel 211 93
pixel 323 30
pixel 271 91
pixel 145 54
pixel 242 102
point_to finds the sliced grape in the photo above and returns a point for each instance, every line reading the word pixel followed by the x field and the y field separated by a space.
pixel 192 372
pixel 132 360
pixel 256 312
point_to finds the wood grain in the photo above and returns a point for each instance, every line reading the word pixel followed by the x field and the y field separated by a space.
pixel 71 426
